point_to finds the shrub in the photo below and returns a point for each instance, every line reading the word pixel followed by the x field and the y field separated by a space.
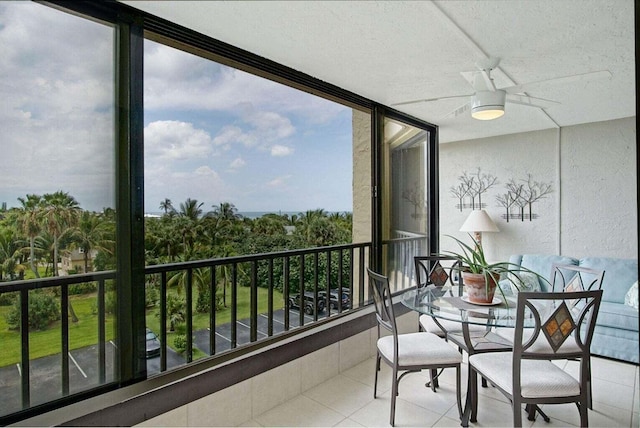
pixel 7 299
pixel 83 288
pixel 203 301
pixel 110 302
pixel 180 342
pixel 181 329
pixel 43 310
pixel 151 297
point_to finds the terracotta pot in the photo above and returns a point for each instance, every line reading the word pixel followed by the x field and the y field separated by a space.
pixel 476 285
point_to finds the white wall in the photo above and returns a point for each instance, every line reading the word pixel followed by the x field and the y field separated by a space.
pixel 592 209
pixel 599 200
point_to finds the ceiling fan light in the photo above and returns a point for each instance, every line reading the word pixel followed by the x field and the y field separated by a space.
pixel 488 105
pixel 487 112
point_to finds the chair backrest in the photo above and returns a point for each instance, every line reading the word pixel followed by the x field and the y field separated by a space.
pixel 379 289
pixel 570 278
pixel 436 271
pixel 557 318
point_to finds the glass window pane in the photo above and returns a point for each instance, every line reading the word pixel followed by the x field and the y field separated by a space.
pixel 237 164
pixel 57 196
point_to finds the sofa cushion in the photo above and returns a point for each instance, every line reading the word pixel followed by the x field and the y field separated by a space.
pixel 617 315
pixel 541 264
pixel 525 281
pixel 619 275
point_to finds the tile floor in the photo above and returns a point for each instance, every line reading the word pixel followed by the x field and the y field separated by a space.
pixel 346 400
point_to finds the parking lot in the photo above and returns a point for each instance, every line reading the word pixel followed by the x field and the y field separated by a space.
pixel 45 373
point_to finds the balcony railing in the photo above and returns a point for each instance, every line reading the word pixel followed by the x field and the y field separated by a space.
pixel 276 277
pixel 400 252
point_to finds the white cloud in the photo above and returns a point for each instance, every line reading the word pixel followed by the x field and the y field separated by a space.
pixel 279 150
pixel 179 80
pixel 262 129
pixel 57 115
pixel 237 163
pixel 231 134
pixel 270 125
pixel 175 140
pixel 279 182
pixel 205 171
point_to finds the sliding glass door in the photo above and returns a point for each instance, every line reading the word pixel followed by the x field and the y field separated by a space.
pixel 408 197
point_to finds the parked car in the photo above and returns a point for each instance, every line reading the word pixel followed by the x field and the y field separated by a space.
pixel 153 344
pixel 334 294
pixel 310 305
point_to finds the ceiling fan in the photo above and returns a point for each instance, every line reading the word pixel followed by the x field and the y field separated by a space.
pixel 487 102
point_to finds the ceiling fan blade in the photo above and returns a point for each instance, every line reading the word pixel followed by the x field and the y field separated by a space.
pixel 426 100
pixel 458 111
pixel 584 77
pixel 531 101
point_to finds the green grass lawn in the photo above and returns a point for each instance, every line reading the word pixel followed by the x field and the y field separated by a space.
pixel 48 342
pixel 85 331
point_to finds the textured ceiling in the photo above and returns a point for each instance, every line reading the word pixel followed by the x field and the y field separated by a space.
pixel 394 51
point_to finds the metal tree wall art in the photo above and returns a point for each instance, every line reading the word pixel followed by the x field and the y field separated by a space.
pixel 521 196
pixel 471 188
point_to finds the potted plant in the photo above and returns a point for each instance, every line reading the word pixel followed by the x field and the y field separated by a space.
pixel 481 278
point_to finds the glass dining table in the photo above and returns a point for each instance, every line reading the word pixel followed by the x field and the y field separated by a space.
pixel 477 323
pixel 474 328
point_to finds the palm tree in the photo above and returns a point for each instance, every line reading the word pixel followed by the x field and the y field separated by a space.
pixel 44 246
pixel 191 209
pixel 92 233
pixel 31 226
pixel 308 225
pixel 10 255
pixel 226 211
pixel 60 212
pixel 166 206
pixel 224 251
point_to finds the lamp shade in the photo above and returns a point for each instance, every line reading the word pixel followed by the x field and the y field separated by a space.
pixel 479 221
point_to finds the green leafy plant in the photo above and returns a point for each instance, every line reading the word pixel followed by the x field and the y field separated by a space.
pixel 43 310
pixel 180 342
pixel 474 261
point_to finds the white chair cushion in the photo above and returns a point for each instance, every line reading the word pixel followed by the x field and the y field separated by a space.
pixel 418 349
pixel 539 378
pixel 429 325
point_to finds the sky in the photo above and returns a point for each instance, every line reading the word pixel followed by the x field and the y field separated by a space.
pixel 212 133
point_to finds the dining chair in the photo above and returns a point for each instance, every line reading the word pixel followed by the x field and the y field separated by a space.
pixel 575 278
pixel 436 271
pixel 430 271
pixel 561 327
pixel 569 278
pixel 408 352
